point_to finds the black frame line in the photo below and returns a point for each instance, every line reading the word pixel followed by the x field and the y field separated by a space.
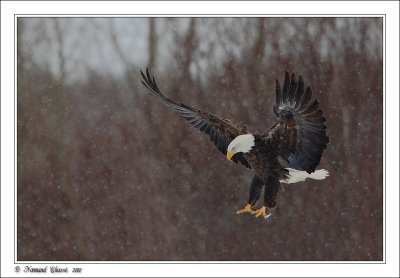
pixel 198 15
pixel 85 262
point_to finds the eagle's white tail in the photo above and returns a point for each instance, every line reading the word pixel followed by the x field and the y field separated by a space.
pixel 297 176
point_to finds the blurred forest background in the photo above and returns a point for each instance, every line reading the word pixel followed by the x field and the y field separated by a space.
pixel 106 172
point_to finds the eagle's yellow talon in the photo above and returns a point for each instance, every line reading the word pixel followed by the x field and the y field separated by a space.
pixel 260 212
pixel 247 208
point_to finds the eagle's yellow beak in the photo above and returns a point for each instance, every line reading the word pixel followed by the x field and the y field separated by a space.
pixel 229 155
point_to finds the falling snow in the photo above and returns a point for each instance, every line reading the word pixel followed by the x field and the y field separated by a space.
pixel 107 173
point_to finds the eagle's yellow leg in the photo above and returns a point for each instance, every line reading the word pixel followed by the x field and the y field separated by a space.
pixel 260 212
pixel 247 208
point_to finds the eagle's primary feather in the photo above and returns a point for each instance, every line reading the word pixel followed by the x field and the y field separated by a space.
pixel 299 138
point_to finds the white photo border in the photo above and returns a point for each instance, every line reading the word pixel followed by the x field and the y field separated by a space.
pixel 390 13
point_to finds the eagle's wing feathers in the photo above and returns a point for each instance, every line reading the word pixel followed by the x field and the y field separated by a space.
pixel 221 132
pixel 300 134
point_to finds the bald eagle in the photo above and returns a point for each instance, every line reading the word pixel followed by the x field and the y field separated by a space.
pixel 297 139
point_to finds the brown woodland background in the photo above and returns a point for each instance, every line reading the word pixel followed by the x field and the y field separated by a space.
pixel 106 172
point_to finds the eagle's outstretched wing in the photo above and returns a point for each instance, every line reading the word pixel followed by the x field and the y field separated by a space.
pixel 299 137
pixel 221 132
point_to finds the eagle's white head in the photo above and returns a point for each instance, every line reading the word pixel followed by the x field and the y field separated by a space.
pixel 241 144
